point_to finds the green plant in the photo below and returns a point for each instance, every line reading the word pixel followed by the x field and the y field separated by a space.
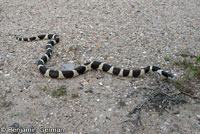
pixel 122 103
pixel 166 58
pixel 74 96
pixel 198 59
pixel 177 85
pixel 59 92
pixel 177 63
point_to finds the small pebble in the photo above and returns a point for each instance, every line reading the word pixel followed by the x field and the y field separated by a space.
pixel 89 91
pixel 176 126
pixel 81 88
pixel 176 111
pixel 110 109
pixel 141 34
pixel 1 72
pixel 20 85
pixel 100 83
pixel 108 87
pixel 89 52
pixel 7 75
pixel 198 117
pixel 144 52
pixel 15 125
pixel 163 127
pixel 59 17
pixel 25 88
pixel 84 83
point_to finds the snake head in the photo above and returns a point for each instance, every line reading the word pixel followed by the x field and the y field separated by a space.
pixel 172 76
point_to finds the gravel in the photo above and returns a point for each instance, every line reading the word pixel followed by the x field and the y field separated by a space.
pixel 128 34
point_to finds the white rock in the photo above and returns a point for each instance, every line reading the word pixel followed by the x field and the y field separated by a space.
pixel 100 83
pixel 67 67
pixel 1 72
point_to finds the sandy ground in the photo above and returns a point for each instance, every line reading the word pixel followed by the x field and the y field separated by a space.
pixel 127 34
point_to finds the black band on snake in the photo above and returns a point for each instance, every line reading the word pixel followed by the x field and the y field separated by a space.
pixel 54 39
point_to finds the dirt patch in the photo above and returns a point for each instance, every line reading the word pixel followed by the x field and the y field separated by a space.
pixel 127 34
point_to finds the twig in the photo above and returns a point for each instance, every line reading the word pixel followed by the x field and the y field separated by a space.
pixel 190 95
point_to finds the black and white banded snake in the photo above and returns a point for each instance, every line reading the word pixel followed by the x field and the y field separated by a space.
pixel 54 39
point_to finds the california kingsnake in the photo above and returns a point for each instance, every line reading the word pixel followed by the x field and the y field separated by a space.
pixel 87 66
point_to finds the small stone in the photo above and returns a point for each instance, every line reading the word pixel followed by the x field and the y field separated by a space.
pixel 84 83
pixel 89 91
pixel 70 48
pixel 198 117
pixel 15 125
pixel 81 32
pixel 110 109
pixel 108 87
pixel 1 72
pixel 153 115
pixel 66 67
pixel 89 52
pixel 176 126
pixel 20 85
pixel 163 127
pixel 7 75
pixel 100 83
pixel 11 50
pixel 176 111
pixel 98 100
pixel 115 114
pixel 25 88
pixel 144 52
